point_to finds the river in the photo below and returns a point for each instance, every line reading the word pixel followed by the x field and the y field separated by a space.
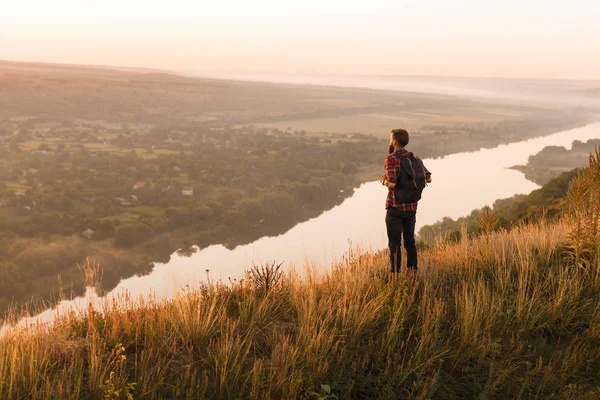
pixel 461 182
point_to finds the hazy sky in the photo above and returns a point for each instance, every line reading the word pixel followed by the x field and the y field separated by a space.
pixel 511 38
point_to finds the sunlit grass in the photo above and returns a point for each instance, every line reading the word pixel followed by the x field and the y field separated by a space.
pixel 509 314
pixel 16 186
pixel 499 316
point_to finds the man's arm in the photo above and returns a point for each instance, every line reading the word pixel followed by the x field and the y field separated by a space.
pixel 427 173
pixel 390 173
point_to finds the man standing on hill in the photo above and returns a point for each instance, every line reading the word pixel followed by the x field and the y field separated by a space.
pixel 405 176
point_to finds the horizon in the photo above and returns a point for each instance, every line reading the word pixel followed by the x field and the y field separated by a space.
pixel 223 75
pixel 538 40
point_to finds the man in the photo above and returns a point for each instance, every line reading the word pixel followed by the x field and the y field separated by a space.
pixel 400 217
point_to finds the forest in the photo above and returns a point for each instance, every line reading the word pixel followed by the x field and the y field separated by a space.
pixel 553 160
pixel 227 186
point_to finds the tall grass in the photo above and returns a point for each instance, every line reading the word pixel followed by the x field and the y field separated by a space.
pixel 503 315
pixel 584 201
pixel 499 316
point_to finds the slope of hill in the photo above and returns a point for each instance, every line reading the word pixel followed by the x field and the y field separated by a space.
pixel 546 202
pixel 508 314
pixel 499 316
pixel 102 95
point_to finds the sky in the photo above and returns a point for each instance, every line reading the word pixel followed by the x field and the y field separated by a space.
pixel 526 38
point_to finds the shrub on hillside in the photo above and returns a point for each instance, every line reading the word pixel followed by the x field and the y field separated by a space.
pixel 583 198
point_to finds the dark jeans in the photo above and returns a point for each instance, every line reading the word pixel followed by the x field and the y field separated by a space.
pixel 401 224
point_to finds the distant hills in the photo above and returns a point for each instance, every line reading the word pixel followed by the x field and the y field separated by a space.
pixel 553 160
pixel 77 67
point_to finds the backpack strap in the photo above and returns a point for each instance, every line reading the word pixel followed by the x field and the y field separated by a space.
pixel 424 169
pixel 414 175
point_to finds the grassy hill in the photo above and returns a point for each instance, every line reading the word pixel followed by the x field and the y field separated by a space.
pixel 499 316
pixel 547 202
pixel 508 314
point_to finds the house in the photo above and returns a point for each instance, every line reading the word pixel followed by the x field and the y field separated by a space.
pixel 43 152
pixel 88 233
pixel 19 194
pixel 187 191
pixel 139 185
pixel 123 201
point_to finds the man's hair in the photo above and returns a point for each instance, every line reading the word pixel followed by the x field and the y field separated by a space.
pixel 400 136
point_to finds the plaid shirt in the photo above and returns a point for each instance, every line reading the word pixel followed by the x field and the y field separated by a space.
pixel 392 170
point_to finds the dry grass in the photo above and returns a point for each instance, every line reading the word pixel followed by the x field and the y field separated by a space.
pixel 500 316
pixel 504 315
pixel 584 201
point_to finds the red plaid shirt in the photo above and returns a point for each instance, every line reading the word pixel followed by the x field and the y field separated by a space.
pixel 392 170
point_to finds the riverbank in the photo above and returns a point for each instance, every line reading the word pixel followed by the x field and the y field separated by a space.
pixel 122 263
pixel 501 316
pixel 552 161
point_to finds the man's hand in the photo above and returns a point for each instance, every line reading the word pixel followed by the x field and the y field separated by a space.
pixel 383 180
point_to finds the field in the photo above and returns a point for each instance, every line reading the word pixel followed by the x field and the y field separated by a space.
pixel 93 99
pixel 379 124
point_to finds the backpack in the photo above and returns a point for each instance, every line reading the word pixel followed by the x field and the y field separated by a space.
pixel 411 179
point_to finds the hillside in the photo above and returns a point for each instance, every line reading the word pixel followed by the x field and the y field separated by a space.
pixel 498 316
pixel 100 96
pixel 508 314
pixel 545 202
pixel 554 167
